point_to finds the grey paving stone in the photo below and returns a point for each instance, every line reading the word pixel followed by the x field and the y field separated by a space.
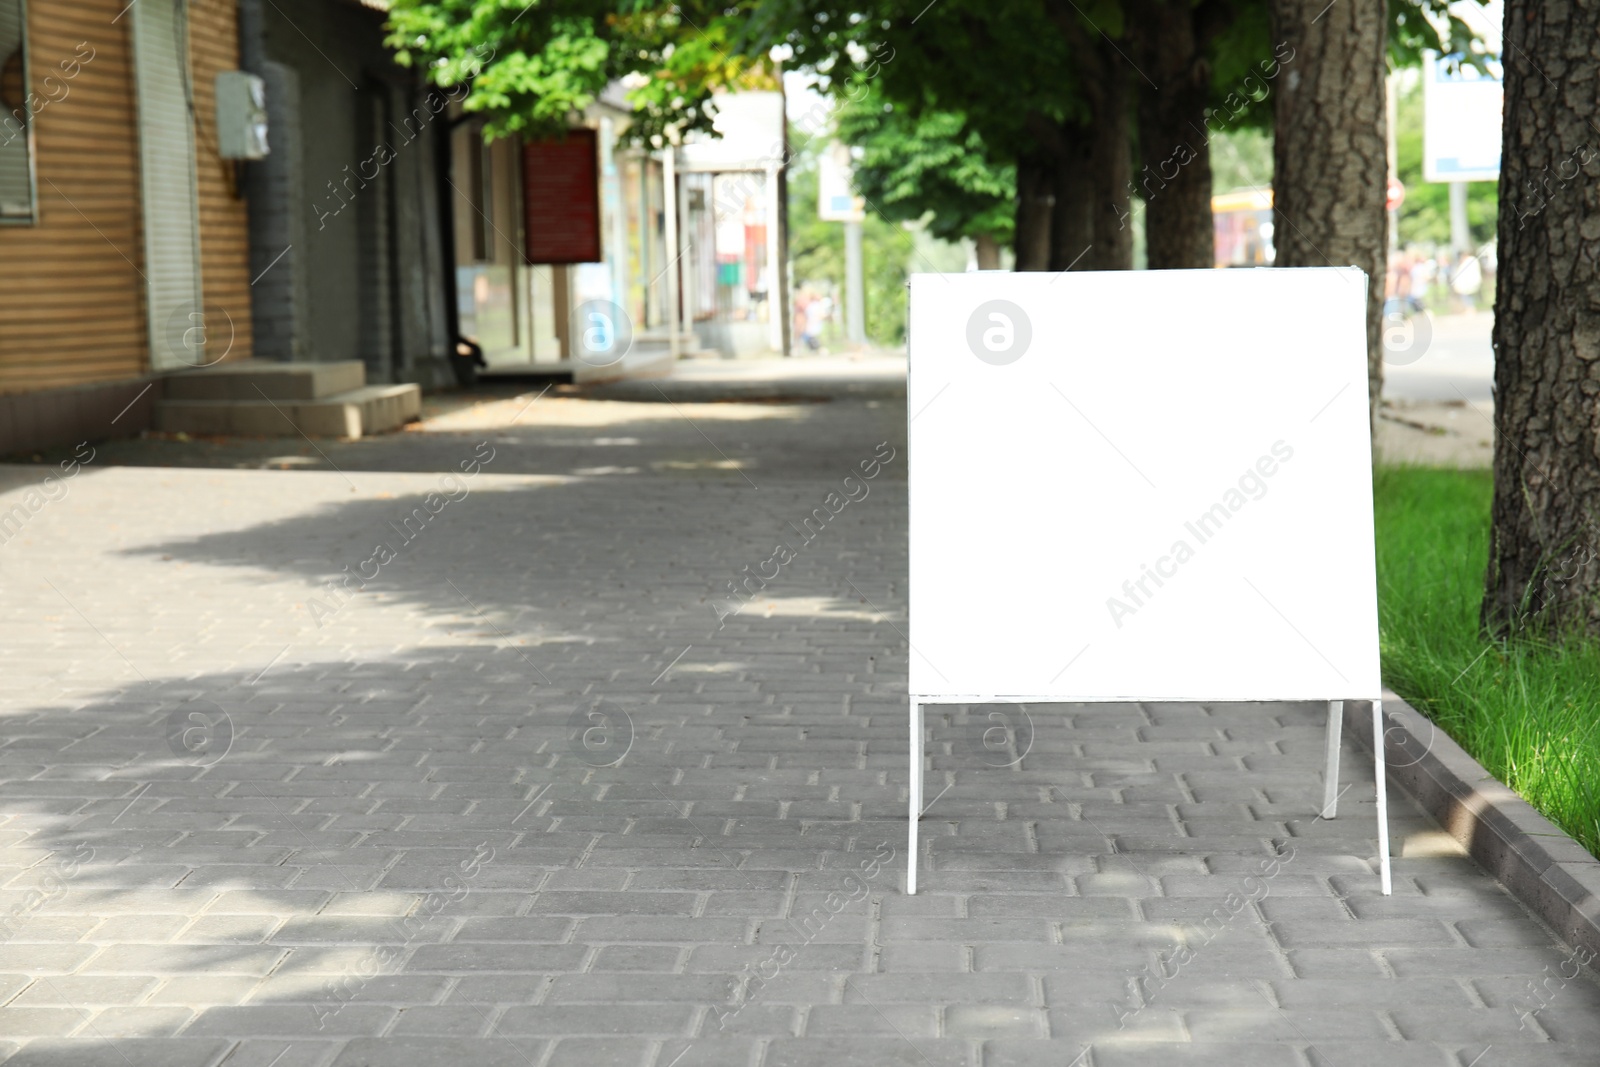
pixel 657 958
pixel 907 1020
pixel 30 1021
pixel 418 1051
pixel 729 959
pixel 294 1020
pixel 994 1020
pixel 358 986
pixel 752 1019
pixel 972 931
pixel 1418 962
pixel 138 1022
pixel 500 989
pixel 203 990
pixel 459 958
pixel 1498 933
pixel 1345 963
pixel 600 1052
pixel 664 928
pixel 1264 1023
pixel 636 1018
pixel 1373 933
pixel 71 990
pixel 938 988
pixel 889 1051
pixel 1031 1052
pixel 924 956
pixel 151 1052
pixel 599 903
pixel 1422 994
pixel 370 930
pixel 273 1052
pixel 612 988
pixel 1049 906
pixel 1210 1054
pixel 455 1020
pixel 138 928
pixel 184 959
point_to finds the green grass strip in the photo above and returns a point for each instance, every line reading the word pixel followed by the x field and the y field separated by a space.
pixel 1529 711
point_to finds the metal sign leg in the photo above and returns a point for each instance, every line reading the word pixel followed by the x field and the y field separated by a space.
pixel 1383 795
pixel 914 810
pixel 1330 791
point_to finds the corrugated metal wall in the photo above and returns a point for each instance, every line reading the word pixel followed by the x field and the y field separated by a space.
pixel 72 287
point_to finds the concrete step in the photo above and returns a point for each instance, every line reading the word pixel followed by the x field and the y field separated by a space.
pixel 359 412
pixel 253 379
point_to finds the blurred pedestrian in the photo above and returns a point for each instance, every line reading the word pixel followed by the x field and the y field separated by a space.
pixel 1422 275
pixel 817 312
pixel 798 326
pixel 1467 281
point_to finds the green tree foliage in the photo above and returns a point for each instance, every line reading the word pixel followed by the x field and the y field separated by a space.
pixel 532 67
pixel 995 82
pixel 933 164
pixel 1413 30
pixel 1241 159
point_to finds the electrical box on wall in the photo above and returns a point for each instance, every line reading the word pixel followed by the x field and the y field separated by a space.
pixel 241 115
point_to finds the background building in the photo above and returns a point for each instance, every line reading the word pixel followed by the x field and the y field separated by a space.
pixel 378 224
pixel 345 223
pixel 122 230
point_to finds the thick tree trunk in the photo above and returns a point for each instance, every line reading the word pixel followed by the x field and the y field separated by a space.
pixel 1543 539
pixel 1110 171
pixel 1034 199
pixel 1330 150
pixel 1174 152
pixel 988 251
pixel 1072 216
pixel 1100 150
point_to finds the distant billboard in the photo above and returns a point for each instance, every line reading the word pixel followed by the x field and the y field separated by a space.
pixel 836 199
pixel 1461 107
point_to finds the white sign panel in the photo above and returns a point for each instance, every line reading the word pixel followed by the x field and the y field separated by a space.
pixel 1141 486
pixel 1461 113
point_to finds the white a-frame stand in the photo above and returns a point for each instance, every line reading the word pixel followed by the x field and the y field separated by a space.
pixel 1330 794
pixel 1142 486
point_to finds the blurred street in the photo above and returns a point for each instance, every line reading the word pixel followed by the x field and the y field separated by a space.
pixel 1439 401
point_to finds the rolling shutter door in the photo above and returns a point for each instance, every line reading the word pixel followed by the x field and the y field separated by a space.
pixel 167 182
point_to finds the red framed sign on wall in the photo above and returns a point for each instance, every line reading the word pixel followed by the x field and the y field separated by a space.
pixel 561 199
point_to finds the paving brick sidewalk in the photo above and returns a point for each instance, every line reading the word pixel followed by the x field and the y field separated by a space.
pixel 247 820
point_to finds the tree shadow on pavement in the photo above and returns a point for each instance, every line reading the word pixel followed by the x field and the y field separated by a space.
pixel 420 847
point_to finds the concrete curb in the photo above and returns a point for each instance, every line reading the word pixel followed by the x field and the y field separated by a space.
pixel 1544 868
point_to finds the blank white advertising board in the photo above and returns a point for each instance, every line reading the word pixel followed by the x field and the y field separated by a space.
pixel 1151 485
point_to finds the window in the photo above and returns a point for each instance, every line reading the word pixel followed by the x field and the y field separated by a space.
pixel 17 107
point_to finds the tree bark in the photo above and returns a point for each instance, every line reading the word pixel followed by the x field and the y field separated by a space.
pixel 1034 201
pixel 1111 170
pixel 1174 152
pixel 987 250
pixel 1102 148
pixel 1330 150
pixel 1072 216
pixel 1543 537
